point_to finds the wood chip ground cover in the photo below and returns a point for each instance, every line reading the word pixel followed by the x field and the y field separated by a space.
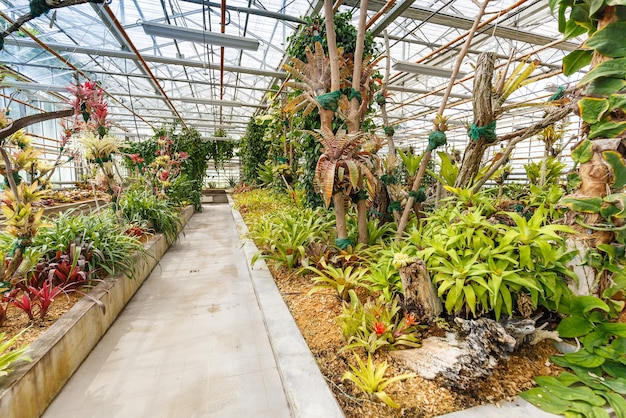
pixel 315 316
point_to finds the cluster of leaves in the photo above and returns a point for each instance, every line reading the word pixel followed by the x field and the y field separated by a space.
pixel 595 376
pixel 285 237
pixel 159 171
pixel 253 150
pixel 370 378
pixel 314 30
pixel 103 232
pixel 603 108
pixel 35 302
pixel 376 324
pixel 8 355
pixel 172 154
pixel 139 206
pixel 481 266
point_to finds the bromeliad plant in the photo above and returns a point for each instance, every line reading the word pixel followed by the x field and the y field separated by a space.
pixel 481 266
pixel 140 206
pixel 371 379
pixel 9 356
pixel 338 86
pixel 104 235
pixel 342 280
pixel 376 324
pixel 285 237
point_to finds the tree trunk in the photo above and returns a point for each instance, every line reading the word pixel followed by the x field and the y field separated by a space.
pixel 596 178
pixel 340 215
pixel 420 296
pixel 483 116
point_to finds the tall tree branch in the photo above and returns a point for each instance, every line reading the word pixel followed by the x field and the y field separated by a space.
pixel 50 4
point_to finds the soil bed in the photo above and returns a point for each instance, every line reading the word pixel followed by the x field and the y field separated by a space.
pixel 315 316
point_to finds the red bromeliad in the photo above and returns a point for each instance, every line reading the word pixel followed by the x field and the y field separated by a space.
pixel 379 328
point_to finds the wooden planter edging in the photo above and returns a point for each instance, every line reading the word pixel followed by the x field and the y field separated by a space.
pixel 58 352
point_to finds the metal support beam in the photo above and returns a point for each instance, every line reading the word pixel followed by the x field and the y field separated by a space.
pixel 396 11
pixel 464 23
pixel 75 49
pixel 257 12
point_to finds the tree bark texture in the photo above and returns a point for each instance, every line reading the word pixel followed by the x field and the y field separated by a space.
pixel 483 116
pixel 420 296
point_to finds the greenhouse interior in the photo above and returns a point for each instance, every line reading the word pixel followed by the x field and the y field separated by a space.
pixel 313 209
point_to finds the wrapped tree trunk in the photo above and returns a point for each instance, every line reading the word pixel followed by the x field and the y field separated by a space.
pixel 483 117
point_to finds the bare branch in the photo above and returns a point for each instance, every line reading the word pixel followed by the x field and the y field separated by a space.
pixel 56 4
pixel 29 120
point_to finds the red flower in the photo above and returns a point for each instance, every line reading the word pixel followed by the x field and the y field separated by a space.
pixel 409 319
pixel 183 155
pixel 164 175
pixel 136 158
pixel 379 328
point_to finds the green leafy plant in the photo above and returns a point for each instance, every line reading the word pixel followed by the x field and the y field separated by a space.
pixel 9 357
pixel 611 209
pixel 376 324
pixel 137 205
pixel 480 266
pixel 371 379
pixel 597 378
pixel 284 237
pixel 342 280
pixel 411 161
pixel 553 171
pixel 113 248
pixel 253 149
pixel 448 170
pixel 383 278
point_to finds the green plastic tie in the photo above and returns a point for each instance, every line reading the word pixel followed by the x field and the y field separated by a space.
pixel 558 94
pixel 394 206
pixel 343 243
pixel 389 130
pixel 330 101
pixel 38 7
pixel 282 160
pixel 380 99
pixel 360 195
pixel 388 179
pixel 418 196
pixel 436 139
pixel 487 132
pixel 318 38
pixel 354 93
pixel 101 161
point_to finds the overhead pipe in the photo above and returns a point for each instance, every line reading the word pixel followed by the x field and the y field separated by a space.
pixel 143 62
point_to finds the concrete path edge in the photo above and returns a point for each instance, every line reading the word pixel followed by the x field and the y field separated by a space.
pixel 305 387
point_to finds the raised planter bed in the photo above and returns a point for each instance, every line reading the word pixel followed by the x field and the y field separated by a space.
pixel 30 388
pixel 83 207
pixel 214 196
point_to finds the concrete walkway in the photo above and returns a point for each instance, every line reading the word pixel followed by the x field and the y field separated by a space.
pixel 207 336
pixel 193 342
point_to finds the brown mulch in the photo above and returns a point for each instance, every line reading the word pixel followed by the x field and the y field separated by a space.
pixel 315 316
pixel 18 321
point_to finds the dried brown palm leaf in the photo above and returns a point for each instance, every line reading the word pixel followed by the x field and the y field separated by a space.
pixel 325 178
